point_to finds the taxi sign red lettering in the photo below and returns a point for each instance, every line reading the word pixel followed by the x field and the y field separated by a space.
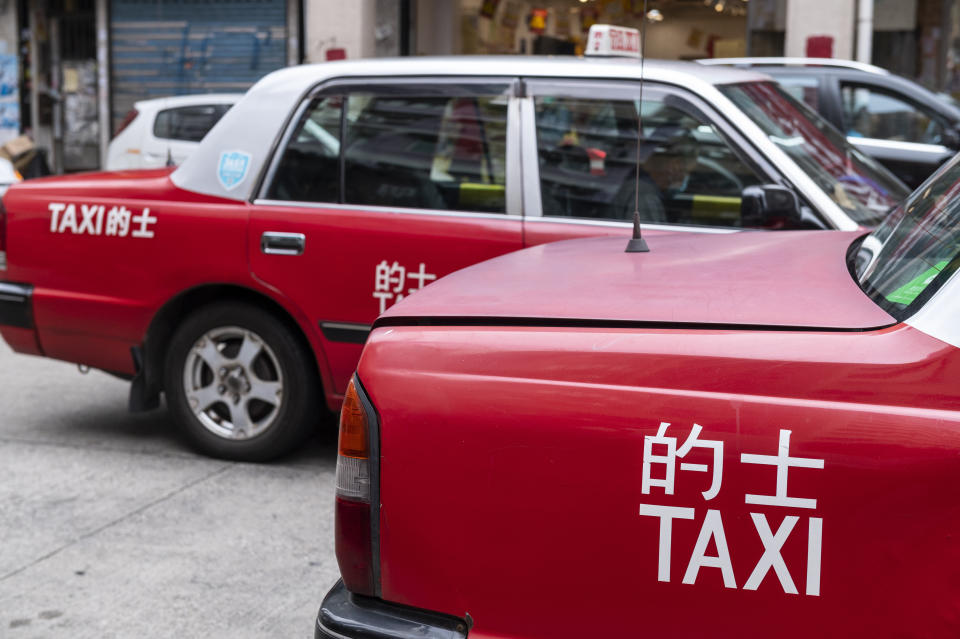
pixel 607 40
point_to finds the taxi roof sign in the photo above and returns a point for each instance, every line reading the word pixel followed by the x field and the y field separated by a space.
pixel 608 40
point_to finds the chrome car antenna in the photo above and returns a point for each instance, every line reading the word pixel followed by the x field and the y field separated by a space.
pixel 637 244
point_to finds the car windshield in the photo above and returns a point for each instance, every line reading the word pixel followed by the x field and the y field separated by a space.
pixel 855 182
pixel 908 257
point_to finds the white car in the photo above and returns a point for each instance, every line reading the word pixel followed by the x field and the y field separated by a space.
pixel 8 175
pixel 165 131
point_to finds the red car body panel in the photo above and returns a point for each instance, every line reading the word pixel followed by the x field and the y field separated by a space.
pixel 333 281
pixel 797 278
pixel 95 296
pixel 511 478
pixel 513 459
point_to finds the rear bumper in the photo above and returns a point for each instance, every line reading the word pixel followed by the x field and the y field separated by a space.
pixel 345 615
pixel 16 307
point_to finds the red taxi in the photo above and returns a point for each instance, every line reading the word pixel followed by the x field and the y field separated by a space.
pixel 248 277
pixel 738 435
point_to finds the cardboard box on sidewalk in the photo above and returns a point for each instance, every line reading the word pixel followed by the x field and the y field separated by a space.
pixel 17 147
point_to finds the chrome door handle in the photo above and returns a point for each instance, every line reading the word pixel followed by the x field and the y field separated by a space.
pixel 273 243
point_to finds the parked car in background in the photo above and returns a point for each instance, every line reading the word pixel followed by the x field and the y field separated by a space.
pixel 743 435
pixel 332 191
pixel 908 128
pixel 8 175
pixel 165 131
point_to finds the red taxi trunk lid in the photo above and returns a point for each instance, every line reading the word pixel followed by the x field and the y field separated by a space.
pixel 512 455
pixel 790 279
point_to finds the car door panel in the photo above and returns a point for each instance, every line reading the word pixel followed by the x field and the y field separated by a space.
pixel 346 251
pixel 384 150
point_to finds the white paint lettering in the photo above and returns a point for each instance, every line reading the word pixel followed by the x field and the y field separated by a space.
pixel 144 220
pixel 712 527
pixel 69 220
pixel 118 221
pixel 661 453
pixel 88 213
pixel 783 461
pixel 55 209
pixel 666 514
pixel 772 543
pixel 669 460
pixel 814 549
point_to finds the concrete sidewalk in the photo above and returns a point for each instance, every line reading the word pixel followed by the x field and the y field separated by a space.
pixel 111 527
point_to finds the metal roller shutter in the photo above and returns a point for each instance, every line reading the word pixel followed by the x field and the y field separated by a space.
pixel 160 48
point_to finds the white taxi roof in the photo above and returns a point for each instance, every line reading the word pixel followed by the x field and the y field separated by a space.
pixel 797 62
pixel 232 155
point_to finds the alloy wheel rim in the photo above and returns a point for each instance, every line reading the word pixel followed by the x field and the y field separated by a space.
pixel 233 383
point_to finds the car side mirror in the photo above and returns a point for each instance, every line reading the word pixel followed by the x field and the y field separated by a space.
pixel 770 206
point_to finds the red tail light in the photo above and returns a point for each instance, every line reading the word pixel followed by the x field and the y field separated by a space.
pixel 357 503
pixel 129 118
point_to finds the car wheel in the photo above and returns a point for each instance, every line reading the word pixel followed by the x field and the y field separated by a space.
pixel 240 384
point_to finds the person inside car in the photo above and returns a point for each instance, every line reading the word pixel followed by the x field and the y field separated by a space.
pixel 667 159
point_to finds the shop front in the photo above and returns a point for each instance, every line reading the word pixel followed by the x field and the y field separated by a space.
pixel 675 29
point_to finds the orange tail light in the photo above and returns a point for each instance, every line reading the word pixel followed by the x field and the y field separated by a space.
pixel 356 524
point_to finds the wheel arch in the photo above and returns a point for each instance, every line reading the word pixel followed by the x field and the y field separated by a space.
pixel 149 357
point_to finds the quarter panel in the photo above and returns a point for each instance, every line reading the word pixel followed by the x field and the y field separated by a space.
pixel 90 284
pixel 511 478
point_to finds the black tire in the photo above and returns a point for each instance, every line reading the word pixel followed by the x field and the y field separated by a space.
pixel 282 362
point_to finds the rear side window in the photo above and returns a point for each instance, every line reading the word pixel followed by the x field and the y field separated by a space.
pixel 429 152
pixel 435 148
pixel 309 170
pixel 188 124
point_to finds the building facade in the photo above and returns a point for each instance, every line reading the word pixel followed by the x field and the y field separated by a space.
pixel 81 64
pixel 70 70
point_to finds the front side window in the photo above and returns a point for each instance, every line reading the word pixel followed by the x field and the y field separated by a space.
pixel 188 124
pixel 588 152
pixel 855 182
pixel 872 113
